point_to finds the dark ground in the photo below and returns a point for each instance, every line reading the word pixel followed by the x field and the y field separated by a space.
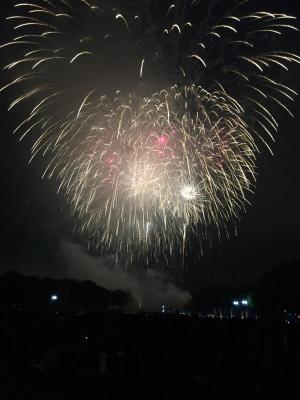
pixel 131 356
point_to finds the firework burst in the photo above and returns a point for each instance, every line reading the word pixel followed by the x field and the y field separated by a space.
pixel 149 115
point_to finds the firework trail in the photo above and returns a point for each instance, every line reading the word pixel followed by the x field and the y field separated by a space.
pixel 148 114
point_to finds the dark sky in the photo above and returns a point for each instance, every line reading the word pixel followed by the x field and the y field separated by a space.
pixel 33 223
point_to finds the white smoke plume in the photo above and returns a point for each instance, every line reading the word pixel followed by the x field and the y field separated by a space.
pixel 151 289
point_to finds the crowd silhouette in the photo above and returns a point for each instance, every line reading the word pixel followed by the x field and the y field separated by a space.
pixel 50 355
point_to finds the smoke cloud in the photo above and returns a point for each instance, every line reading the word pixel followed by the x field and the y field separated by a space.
pixel 151 289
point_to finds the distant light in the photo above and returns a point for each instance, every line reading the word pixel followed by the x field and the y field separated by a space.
pixel 54 297
pixel 245 302
pixel 235 303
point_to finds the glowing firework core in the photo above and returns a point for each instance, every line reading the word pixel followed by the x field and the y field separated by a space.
pixel 188 192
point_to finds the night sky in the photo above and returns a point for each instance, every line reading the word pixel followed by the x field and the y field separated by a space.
pixel 35 225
